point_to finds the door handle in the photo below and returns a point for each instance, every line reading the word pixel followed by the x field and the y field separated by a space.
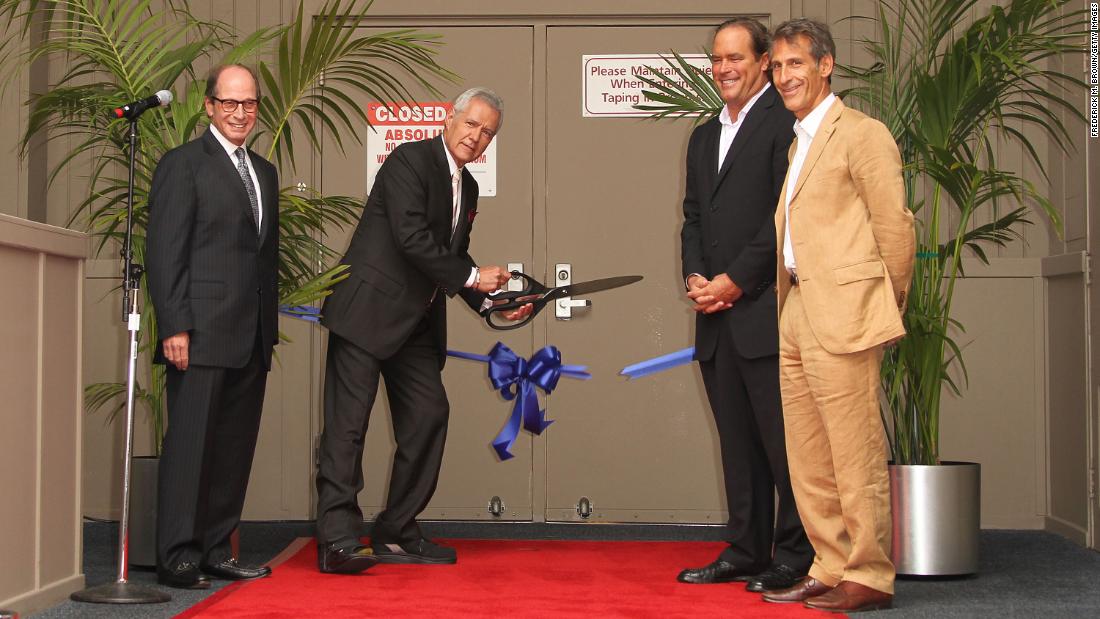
pixel 563 308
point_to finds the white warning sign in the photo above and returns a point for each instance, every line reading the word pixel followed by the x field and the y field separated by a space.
pixel 611 86
pixel 397 123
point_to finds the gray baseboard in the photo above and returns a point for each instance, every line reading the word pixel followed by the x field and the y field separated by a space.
pixel 472 529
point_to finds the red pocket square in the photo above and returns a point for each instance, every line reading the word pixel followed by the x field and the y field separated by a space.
pixel 470 216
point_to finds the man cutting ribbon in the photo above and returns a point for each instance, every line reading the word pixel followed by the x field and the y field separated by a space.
pixel 389 319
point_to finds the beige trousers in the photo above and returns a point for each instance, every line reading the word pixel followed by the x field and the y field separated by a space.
pixel 836 450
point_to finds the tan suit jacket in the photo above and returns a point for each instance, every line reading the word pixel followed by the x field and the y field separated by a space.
pixel 852 233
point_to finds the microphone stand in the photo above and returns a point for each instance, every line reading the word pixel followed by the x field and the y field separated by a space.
pixel 123 591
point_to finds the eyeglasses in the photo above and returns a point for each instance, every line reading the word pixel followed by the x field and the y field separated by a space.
pixel 230 105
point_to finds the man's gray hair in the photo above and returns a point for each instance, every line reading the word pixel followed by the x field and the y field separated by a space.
pixel 821 41
pixel 491 98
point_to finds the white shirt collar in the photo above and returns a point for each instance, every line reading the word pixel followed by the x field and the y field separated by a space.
pixel 724 115
pixel 229 147
pixel 813 120
pixel 452 167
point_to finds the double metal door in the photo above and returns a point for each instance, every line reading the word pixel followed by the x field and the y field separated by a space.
pixel 603 195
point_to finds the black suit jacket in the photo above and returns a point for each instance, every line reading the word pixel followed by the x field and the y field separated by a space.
pixel 402 251
pixel 208 271
pixel 729 223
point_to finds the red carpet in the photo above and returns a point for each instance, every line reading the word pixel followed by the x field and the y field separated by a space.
pixel 503 579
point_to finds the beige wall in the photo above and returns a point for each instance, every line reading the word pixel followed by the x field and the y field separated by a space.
pixel 1067 427
pixel 13 170
pixel 1025 415
pixel 1091 204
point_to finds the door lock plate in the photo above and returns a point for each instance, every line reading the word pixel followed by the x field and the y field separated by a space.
pixel 515 284
pixel 563 307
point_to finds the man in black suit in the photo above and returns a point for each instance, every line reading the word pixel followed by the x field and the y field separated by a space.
pixel 389 318
pixel 735 168
pixel 212 262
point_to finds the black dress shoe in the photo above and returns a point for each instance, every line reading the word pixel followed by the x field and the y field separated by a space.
pixel 421 551
pixel 185 575
pixel 774 578
pixel 229 569
pixel 345 559
pixel 718 571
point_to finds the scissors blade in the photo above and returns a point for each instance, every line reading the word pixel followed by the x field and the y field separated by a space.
pixel 595 285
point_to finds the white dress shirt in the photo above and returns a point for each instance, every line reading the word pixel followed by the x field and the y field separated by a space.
pixel 804 130
pixel 731 126
pixel 456 205
pixel 231 148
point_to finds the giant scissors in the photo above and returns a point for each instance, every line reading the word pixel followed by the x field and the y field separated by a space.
pixel 539 296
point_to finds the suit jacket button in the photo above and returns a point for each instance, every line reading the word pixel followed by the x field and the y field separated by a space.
pixel 259 291
pixel 714 243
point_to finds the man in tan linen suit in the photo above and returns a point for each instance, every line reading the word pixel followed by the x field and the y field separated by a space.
pixel 845 257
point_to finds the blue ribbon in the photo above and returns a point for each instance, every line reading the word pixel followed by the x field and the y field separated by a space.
pixel 516 378
pixel 658 364
pixel 303 312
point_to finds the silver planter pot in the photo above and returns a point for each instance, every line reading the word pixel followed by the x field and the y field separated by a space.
pixel 143 511
pixel 937 518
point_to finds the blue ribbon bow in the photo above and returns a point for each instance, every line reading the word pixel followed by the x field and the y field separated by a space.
pixel 516 378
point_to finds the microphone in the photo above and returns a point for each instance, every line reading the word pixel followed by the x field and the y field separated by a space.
pixel 133 110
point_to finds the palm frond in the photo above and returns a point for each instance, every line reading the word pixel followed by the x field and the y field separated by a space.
pixel 680 90
pixel 301 214
pixel 320 68
pixel 314 289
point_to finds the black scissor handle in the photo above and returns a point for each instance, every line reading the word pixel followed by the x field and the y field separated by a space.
pixel 497 321
pixel 504 300
pixel 533 292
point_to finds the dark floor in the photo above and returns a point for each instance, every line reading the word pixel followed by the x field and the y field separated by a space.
pixel 1023 573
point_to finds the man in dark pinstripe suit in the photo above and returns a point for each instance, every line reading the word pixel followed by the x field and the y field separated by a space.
pixel 388 320
pixel 212 259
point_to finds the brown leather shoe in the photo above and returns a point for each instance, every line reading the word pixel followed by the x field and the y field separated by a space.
pixel 803 590
pixel 851 597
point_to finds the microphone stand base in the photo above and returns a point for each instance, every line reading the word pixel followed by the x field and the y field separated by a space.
pixel 121 592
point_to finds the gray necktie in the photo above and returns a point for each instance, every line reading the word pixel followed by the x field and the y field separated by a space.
pixel 249 186
pixel 456 178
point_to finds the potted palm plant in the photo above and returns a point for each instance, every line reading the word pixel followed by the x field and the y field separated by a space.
pixel 946 85
pixel 115 51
